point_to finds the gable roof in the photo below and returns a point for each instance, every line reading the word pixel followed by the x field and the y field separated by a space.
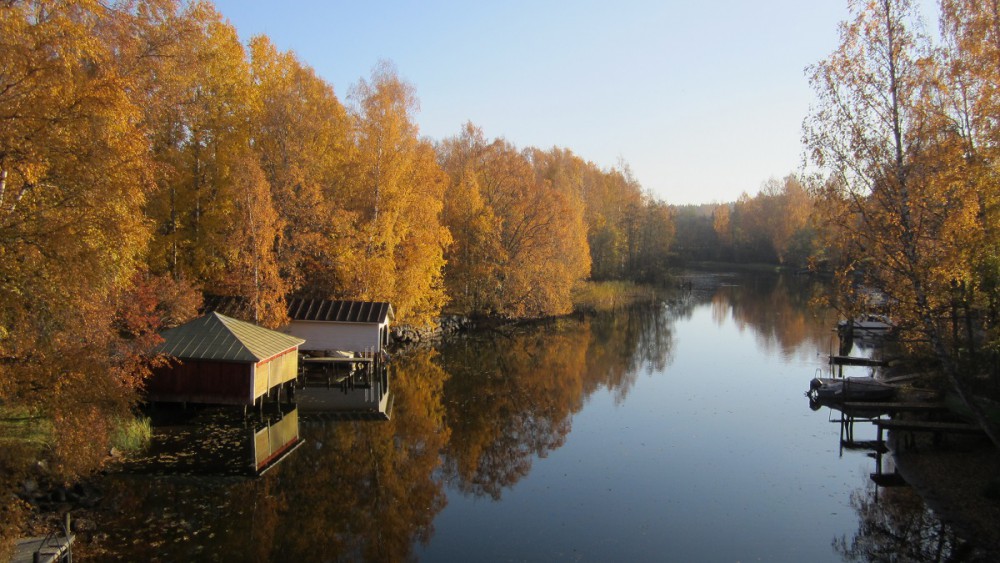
pixel 375 312
pixel 217 337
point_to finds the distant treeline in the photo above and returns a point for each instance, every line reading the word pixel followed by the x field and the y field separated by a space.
pixel 775 226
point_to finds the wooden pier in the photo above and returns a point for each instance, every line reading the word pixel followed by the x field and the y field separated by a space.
pixel 893 407
pixel 46 549
pixel 872 411
pixel 938 429
pixel 855 361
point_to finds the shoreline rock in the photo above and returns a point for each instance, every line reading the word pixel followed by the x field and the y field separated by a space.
pixel 449 324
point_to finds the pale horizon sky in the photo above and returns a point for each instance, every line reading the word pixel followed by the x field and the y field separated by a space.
pixel 704 101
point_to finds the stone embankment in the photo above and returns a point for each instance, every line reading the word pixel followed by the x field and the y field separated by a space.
pixel 408 334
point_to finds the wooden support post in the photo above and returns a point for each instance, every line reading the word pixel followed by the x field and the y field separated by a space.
pixel 68 529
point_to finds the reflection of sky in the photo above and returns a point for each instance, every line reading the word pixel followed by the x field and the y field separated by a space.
pixel 716 457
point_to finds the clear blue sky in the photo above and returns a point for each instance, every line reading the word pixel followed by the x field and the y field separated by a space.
pixel 703 100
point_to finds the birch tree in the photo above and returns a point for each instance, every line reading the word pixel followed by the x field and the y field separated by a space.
pixel 892 198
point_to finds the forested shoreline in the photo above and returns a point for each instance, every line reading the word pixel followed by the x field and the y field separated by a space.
pixel 149 157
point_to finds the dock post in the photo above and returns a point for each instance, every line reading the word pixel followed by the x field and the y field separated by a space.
pixel 67 529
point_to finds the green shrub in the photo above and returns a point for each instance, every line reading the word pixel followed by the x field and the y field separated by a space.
pixel 132 434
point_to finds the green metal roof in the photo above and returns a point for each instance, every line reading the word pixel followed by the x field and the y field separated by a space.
pixel 221 338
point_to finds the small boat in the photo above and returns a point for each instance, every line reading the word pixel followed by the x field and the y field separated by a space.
pixel 879 324
pixel 850 389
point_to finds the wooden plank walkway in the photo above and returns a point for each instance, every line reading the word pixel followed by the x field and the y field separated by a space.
pixel 337 360
pixel 49 549
pixel 925 426
pixel 854 361
pixel 939 429
pixel 892 407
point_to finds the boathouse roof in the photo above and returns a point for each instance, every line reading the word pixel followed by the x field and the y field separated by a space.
pixel 374 312
pixel 217 337
pixel 304 309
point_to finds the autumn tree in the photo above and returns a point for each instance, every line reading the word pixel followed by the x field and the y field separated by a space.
pixel 214 212
pixel 74 176
pixel 775 221
pixel 300 135
pixel 525 240
pixel 618 215
pixel 393 192
pixel 969 103
pixel 475 256
pixel 893 197
pixel 653 242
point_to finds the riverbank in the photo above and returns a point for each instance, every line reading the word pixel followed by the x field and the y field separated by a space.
pixel 957 477
pixel 960 482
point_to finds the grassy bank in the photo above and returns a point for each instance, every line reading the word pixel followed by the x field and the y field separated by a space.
pixel 592 297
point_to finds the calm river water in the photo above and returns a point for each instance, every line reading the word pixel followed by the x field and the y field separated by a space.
pixel 676 432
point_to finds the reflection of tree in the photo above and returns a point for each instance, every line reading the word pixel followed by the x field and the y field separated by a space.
pixel 511 396
pixel 365 490
pixel 778 309
pixel 355 490
pixel 621 343
pixel 896 525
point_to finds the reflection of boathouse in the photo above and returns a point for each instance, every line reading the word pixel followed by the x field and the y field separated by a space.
pixel 345 387
pixel 362 394
pixel 217 441
pixel 275 440
pixel 221 360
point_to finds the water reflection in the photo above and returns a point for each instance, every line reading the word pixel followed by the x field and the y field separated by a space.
pixel 513 393
pixel 356 491
pixel 779 310
pixel 217 441
pixel 474 418
pixel 366 490
pixel 198 492
pixel 339 390
pixel 894 524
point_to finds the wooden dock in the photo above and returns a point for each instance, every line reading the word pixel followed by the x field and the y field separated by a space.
pixel 46 549
pixel 872 411
pixel 855 361
pixel 938 429
pixel 337 360
pixel 925 426
pixel 894 407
